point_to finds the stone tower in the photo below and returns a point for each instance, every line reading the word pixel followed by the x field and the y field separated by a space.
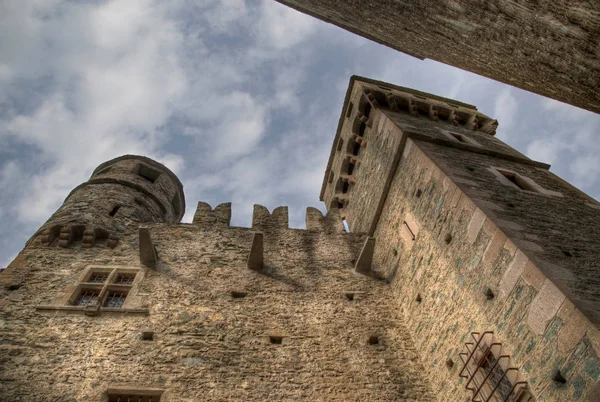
pixel 121 193
pixel 492 259
pixel 550 48
pixel 470 270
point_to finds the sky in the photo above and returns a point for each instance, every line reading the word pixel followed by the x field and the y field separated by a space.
pixel 240 99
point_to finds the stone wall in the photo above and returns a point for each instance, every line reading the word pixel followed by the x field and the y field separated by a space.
pixel 466 248
pixel 474 237
pixel 550 48
pixel 214 320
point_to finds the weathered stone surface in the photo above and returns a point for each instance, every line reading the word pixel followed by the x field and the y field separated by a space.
pixel 513 274
pixel 504 265
pixel 544 307
pixel 301 324
pixel 547 48
pixel 364 263
pixel 207 344
pixel 256 255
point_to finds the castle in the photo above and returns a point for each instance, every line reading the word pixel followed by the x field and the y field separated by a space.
pixel 470 272
pixel 551 48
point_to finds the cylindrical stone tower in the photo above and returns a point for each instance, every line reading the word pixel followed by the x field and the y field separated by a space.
pixel 120 194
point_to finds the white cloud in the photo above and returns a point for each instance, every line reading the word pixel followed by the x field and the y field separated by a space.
pixel 505 111
pixel 283 27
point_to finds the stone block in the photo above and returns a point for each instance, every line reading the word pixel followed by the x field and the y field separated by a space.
pixel 365 259
pixel 512 274
pixel 147 251
pixel 256 255
pixel 533 276
pixel 544 307
pixel 572 332
pixel 207 218
pixel 330 223
pixel 263 220
pixel 494 247
pixel 528 245
pixel 593 334
pixel 475 225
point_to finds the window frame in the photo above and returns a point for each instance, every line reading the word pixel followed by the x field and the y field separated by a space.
pixel 109 285
pixel 460 138
pixel 520 182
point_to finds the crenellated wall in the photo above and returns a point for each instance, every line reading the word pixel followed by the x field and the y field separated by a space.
pixel 207 218
pixel 201 325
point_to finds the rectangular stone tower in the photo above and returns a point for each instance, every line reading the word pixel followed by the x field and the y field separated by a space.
pixel 492 259
pixel 551 48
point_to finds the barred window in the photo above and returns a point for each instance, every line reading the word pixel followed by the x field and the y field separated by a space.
pixel 87 297
pixel 104 287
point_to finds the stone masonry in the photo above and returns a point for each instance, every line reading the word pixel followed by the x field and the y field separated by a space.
pixel 211 313
pixel 480 245
pixel 548 47
pixel 470 273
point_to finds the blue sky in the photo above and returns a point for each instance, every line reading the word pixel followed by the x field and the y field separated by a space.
pixel 239 98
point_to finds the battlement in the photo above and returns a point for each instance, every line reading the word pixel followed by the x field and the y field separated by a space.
pixel 209 219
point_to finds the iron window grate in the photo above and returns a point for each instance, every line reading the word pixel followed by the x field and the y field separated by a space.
pixel 489 372
pixel 125 279
pixel 98 277
pixel 87 298
pixel 115 299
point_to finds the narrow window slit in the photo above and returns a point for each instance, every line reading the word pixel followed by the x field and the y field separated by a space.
pixel 238 295
pixel 349 110
pixel 361 130
pixel 419 299
pixel 113 212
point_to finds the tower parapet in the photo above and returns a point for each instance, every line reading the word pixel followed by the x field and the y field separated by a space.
pixel 122 192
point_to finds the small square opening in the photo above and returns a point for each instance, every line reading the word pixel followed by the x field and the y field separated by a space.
pixel 148 173
pixel 114 211
pixel 373 340
pixel 276 339
pixel 350 296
